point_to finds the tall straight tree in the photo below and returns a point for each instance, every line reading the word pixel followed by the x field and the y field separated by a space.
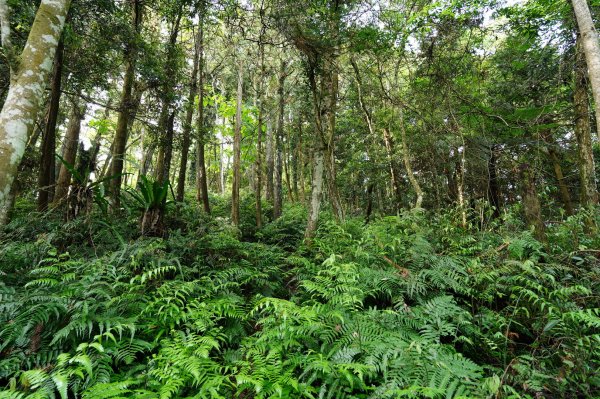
pixel 591 49
pixel 71 142
pixel 46 174
pixel 28 82
pixel 277 187
pixel 201 177
pixel 166 119
pixel 588 196
pixel 237 142
pixel 125 107
pixel 187 124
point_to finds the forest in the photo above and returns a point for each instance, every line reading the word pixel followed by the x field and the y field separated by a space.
pixel 310 199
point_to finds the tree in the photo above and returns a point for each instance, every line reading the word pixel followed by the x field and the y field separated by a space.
pixel 237 142
pixel 22 103
pixel 590 44
pixel 126 105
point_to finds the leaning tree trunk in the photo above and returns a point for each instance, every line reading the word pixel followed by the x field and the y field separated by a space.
pixel 591 49
pixel 187 125
pixel 237 141
pixel 22 102
pixel 69 154
pixel 47 174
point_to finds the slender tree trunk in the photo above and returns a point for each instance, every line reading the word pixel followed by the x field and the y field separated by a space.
pixel 167 115
pixel 22 102
pixel 71 142
pixel 201 178
pixel 277 193
pixel 163 163
pixel 270 160
pixel 394 168
pixel 331 87
pixel 531 202
pixel 147 160
pixel 316 194
pixel 301 163
pixel 125 109
pixel 493 186
pixel 565 196
pixel 406 158
pixel 187 126
pixel 237 142
pixel 259 133
pixel 588 196
pixel 46 177
pixel 369 210
pixel 591 48
pixel 460 186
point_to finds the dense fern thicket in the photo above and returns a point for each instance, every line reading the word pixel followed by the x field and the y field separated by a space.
pixel 412 306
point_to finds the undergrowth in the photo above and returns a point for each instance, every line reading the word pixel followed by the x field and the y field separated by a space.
pixel 413 306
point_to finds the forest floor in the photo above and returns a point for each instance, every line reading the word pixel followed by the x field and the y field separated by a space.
pixel 408 306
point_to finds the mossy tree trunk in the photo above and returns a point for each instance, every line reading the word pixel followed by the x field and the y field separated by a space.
pixel 22 103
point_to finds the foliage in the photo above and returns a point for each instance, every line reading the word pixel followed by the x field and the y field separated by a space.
pixel 406 307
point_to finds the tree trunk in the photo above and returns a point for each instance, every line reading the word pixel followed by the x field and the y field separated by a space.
pixel 493 186
pixel 237 142
pixel 316 194
pixel 47 176
pixel 531 203
pixel 71 142
pixel 278 190
pixel 406 158
pixel 270 161
pixel 330 84
pixel 22 103
pixel 591 49
pixel 187 125
pixel 201 178
pixel 565 196
pixel 394 168
pixel 259 134
pixel 163 163
pixel 587 173
pixel 125 109
pixel 167 115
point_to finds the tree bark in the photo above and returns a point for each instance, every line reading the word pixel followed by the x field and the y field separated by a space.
pixel 591 48
pixel 201 178
pixel 270 163
pixel 167 115
pixel 47 176
pixel 71 142
pixel 125 108
pixel 22 103
pixel 163 163
pixel 407 165
pixel 237 142
pixel 277 188
pixel 259 134
pixel 187 125
pixel 493 186
pixel 316 194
